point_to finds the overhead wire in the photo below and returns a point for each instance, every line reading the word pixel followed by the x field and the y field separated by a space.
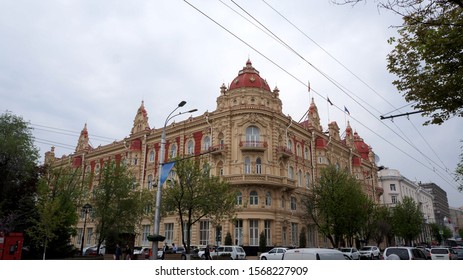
pixel 297 79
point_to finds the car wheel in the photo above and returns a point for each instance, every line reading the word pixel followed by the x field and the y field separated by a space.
pixel 264 258
pixel 183 257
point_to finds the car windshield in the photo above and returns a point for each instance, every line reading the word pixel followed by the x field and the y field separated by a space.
pixel 366 249
pixel 240 250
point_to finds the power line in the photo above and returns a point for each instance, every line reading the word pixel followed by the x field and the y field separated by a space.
pixel 335 83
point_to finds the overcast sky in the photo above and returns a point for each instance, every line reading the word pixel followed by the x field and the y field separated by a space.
pixel 67 63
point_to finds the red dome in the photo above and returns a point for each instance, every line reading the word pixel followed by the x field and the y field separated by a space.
pixel 249 77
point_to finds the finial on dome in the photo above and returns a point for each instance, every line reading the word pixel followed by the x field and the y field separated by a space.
pixel 249 63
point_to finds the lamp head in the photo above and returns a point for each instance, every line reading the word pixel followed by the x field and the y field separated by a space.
pixel 181 104
pixel 192 110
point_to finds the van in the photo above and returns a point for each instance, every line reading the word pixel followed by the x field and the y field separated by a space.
pixel 314 254
pixel 235 252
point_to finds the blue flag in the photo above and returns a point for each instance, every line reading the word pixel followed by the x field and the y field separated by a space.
pixel 165 170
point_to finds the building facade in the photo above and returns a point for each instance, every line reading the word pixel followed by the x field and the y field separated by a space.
pixel 440 202
pixel 249 142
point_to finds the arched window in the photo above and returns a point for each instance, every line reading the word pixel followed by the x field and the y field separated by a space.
pixel 239 199
pixel 293 203
pixel 306 153
pixel 173 151
pixel 307 180
pixel 97 169
pixel 247 165
pixel 299 178
pixel 207 143
pixel 190 147
pixel 253 198
pixel 268 199
pixel 290 172
pixel 298 150
pixel 290 145
pixel 252 134
pixel 152 156
pixel 258 166
pixel 150 181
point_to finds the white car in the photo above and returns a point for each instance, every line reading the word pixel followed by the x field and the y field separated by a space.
pixel 442 253
pixel 370 252
pixel 353 253
pixel 314 254
pixel 274 254
pixel 236 252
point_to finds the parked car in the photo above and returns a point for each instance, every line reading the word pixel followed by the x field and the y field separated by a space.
pixel 459 251
pixel 314 254
pixel 443 253
pixel 142 252
pixel 274 254
pixel 92 251
pixel 369 252
pixel 426 251
pixel 353 253
pixel 404 253
pixel 236 252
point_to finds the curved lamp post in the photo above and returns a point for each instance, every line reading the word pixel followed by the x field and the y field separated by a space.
pixel 157 211
pixel 86 208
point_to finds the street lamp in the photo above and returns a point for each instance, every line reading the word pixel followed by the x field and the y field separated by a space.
pixel 86 208
pixel 157 211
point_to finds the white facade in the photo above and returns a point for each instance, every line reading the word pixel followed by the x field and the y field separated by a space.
pixel 396 187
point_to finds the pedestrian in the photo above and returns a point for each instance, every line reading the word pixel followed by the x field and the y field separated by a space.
pixel 207 253
pixel 174 248
pixel 118 252
pixel 164 250
pixel 128 252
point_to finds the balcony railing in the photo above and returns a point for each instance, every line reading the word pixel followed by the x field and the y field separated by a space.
pixel 253 145
pixel 217 149
pixel 284 152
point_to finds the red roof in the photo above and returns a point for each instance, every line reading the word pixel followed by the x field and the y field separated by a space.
pixel 249 77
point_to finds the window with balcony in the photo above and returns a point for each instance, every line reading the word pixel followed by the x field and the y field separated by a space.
pixel 239 198
pixel 290 172
pixel 258 166
pixel 247 165
pixel 253 198
pixel 207 143
pixel 307 180
pixel 299 178
pixel 252 134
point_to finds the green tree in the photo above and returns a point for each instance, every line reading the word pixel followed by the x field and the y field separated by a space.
pixel 117 203
pixel 303 238
pixel 59 193
pixel 228 239
pixel 459 174
pixel 427 58
pixel 193 194
pixel 18 171
pixel 337 205
pixel 382 227
pixel 407 220
pixel 262 242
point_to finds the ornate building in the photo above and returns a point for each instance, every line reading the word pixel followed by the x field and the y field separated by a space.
pixel 248 141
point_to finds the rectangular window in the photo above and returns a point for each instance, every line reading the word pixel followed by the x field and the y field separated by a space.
pixel 79 236
pixel 203 232
pixel 294 234
pixel 392 187
pixel 394 199
pixel 268 240
pixel 146 231
pixel 169 233
pixel 89 236
pixel 254 232
pixel 239 232
pixel 185 232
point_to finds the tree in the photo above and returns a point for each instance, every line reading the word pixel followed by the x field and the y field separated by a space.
pixel 193 194
pixel 427 58
pixel 407 220
pixel 303 238
pixel 337 205
pixel 18 170
pixel 459 173
pixel 228 239
pixel 262 242
pixel 117 203
pixel 382 227
pixel 59 193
